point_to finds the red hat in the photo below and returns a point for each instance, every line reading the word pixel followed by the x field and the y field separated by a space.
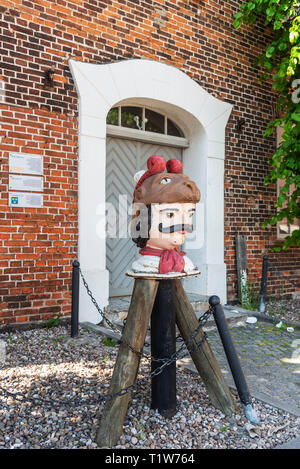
pixel 157 164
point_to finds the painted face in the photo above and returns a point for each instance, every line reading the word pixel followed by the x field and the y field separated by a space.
pixel 170 224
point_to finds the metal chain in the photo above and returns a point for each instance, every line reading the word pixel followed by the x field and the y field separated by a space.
pixel 165 361
pixel 47 402
pixel 202 320
pixel 100 311
pixel 180 353
pixel 171 359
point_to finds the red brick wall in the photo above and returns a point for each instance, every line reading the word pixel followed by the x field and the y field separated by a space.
pixel 38 245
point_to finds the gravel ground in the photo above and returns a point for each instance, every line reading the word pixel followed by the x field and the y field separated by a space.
pixel 52 399
pixel 283 308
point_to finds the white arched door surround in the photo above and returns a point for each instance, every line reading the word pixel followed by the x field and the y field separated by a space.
pixel 202 118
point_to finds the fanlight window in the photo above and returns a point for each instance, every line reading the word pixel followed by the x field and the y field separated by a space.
pixel 140 118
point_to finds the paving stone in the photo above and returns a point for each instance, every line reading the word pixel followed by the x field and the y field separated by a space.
pixel 267 356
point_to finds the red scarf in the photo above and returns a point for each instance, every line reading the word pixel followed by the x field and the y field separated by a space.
pixel 171 260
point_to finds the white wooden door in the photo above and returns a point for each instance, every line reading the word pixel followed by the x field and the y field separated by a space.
pixel 123 159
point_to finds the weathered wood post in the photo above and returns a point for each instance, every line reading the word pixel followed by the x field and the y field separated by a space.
pixel 163 345
pixel 127 363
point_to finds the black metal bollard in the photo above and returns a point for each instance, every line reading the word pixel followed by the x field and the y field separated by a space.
pixel 163 345
pixel 75 299
pixel 263 288
pixel 232 358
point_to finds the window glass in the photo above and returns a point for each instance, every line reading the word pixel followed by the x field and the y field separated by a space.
pixel 131 117
pixel 154 122
pixel 284 227
pixel 174 130
pixel 112 116
pixel 295 226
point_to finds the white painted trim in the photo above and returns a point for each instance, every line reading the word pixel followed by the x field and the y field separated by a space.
pixel 202 118
pixel 145 136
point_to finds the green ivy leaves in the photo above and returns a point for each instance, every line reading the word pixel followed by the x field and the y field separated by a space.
pixel 281 64
pixel 296 117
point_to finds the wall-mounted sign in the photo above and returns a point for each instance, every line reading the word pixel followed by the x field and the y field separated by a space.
pixel 25 199
pixel 30 169
pixel 25 163
pixel 18 182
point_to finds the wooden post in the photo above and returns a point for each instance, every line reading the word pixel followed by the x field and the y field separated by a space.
pixel 233 359
pixel 172 297
pixel 203 358
pixel 263 288
pixel 163 345
pixel 75 300
pixel 242 268
pixel 230 351
pixel 127 363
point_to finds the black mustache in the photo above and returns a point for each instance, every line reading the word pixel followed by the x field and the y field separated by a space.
pixel 172 228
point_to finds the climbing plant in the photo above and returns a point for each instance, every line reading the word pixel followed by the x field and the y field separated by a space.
pixel 280 62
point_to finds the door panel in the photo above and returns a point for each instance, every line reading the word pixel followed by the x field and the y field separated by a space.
pixel 123 159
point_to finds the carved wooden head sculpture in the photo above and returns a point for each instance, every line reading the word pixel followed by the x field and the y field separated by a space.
pixel 163 205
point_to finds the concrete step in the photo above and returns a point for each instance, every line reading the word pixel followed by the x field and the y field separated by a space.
pixel 233 316
pixel 117 311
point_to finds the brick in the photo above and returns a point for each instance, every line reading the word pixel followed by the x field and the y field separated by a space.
pixel 37 246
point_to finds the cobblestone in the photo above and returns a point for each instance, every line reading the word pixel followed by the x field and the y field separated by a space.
pixel 270 358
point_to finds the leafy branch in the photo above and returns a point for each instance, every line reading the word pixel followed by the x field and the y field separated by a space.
pixel 280 63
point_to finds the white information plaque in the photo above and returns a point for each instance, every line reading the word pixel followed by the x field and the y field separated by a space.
pixel 25 183
pixel 25 199
pixel 25 163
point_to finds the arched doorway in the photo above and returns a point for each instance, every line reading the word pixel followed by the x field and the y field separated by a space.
pixel 203 119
